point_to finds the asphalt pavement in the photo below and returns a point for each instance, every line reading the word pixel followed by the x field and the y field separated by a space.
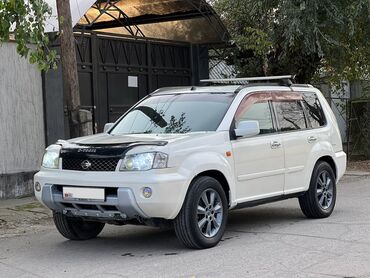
pixel 273 240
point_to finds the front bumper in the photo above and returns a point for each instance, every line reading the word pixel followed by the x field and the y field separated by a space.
pixel 119 205
pixel 124 199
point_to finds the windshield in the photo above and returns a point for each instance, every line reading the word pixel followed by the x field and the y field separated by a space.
pixel 181 113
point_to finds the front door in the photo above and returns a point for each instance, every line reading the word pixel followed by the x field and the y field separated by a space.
pixel 259 160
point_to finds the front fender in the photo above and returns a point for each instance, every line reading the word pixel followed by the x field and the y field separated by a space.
pixel 200 162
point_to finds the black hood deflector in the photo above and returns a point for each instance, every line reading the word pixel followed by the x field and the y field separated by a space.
pixel 74 150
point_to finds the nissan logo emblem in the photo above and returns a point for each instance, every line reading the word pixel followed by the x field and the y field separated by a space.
pixel 85 164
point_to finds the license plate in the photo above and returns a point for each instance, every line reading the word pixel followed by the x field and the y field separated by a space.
pixel 82 193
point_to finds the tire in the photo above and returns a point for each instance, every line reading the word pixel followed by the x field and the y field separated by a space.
pixel 192 225
pixel 319 200
pixel 75 228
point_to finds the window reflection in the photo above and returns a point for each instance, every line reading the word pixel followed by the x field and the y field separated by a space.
pixel 290 115
pixel 260 112
pixel 315 113
pixel 176 113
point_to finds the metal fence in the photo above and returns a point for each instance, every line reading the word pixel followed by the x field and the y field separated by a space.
pixel 353 120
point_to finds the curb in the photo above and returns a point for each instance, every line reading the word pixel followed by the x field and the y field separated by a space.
pixel 357 173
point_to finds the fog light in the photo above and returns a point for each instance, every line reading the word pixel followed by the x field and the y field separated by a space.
pixel 147 192
pixel 37 187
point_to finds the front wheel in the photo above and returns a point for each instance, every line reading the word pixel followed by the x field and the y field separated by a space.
pixel 75 228
pixel 202 219
pixel 319 200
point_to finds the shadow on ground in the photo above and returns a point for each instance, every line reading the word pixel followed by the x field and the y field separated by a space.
pixel 146 241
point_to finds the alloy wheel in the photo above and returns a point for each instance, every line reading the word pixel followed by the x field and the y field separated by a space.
pixel 324 190
pixel 209 213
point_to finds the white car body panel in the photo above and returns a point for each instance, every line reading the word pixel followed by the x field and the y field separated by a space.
pixel 257 164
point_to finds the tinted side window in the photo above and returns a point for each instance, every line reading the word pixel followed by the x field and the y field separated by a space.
pixel 290 115
pixel 261 112
pixel 314 110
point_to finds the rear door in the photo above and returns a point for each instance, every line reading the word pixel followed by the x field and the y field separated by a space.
pixel 295 123
pixel 259 160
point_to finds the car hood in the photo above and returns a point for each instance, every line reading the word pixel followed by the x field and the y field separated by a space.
pixel 108 139
pixel 106 145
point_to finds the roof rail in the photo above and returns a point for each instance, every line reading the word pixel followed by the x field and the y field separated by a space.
pixel 286 80
pixel 163 89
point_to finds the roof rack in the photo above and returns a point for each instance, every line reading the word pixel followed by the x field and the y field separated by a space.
pixel 286 80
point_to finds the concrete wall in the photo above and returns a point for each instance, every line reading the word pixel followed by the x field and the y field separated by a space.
pixel 22 138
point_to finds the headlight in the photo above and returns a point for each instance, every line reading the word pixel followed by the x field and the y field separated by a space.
pixel 51 157
pixel 144 161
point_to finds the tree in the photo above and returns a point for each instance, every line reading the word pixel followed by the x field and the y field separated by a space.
pixel 69 68
pixel 304 37
pixel 24 22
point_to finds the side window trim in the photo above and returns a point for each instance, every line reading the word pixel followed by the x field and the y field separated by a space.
pixel 274 117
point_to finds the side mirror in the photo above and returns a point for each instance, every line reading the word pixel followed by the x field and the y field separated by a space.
pixel 108 126
pixel 247 129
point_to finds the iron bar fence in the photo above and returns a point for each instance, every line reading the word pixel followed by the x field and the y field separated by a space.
pixel 352 116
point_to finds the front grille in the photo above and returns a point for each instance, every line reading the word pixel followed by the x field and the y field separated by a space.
pixel 90 164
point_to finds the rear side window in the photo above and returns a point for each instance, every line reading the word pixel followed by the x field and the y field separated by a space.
pixel 290 115
pixel 315 114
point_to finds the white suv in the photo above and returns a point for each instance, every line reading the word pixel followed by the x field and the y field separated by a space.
pixel 184 157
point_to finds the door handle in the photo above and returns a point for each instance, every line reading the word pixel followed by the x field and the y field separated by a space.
pixel 275 144
pixel 311 139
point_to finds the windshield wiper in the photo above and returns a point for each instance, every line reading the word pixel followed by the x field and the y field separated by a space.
pixel 153 115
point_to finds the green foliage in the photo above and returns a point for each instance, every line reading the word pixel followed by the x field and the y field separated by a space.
pixel 24 21
pixel 304 37
pixel 255 40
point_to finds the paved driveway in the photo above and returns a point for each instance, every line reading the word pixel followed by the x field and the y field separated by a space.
pixel 267 241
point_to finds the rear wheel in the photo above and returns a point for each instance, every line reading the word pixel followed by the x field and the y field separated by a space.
pixel 75 228
pixel 202 219
pixel 319 200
